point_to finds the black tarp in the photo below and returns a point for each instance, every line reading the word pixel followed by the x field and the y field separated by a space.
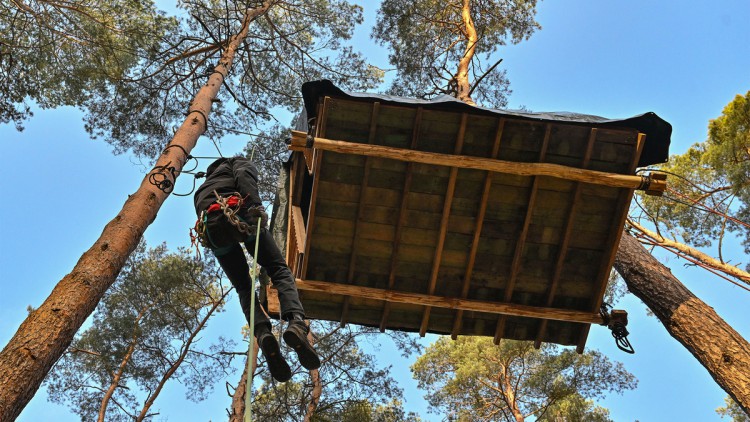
pixel 657 130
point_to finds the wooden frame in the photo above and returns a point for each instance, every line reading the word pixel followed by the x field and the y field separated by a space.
pixel 429 220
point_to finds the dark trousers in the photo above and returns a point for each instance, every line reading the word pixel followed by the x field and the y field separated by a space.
pixel 233 262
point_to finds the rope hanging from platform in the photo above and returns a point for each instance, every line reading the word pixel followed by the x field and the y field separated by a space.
pixel 617 320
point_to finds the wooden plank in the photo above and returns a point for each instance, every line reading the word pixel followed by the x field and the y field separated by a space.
pixel 520 243
pixel 614 240
pixel 390 296
pixel 480 163
pixel 290 227
pixel 296 239
pixel 477 230
pixel 360 209
pixel 345 311
pixel 310 222
pixel 320 129
pixel 297 176
pixel 299 228
pixel 308 153
pixel 568 230
pixel 444 222
pixel 401 216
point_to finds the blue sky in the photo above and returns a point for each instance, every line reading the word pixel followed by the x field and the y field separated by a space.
pixel 684 61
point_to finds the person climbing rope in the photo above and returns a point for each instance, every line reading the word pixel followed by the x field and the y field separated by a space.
pixel 228 207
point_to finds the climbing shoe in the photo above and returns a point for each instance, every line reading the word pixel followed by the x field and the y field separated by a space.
pixel 296 337
pixel 276 364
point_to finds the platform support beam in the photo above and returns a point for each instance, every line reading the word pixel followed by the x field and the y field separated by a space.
pixel 419 299
pixel 651 185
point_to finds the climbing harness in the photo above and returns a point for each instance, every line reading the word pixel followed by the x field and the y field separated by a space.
pixel 617 320
pixel 230 206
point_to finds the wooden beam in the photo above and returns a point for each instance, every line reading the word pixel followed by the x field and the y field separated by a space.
pixel 419 299
pixel 360 208
pixel 458 319
pixel 362 189
pixel 299 140
pixel 612 243
pixel 567 233
pixel 416 128
pixel 290 227
pixel 345 311
pixel 320 129
pixel 515 266
pixel 308 153
pixel 450 190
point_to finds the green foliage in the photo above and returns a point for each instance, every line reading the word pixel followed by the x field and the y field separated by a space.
pixel 728 149
pixel 426 42
pixel 575 409
pixel 364 411
pixel 471 379
pixel 353 381
pixel 142 330
pixel 134 71
pixel 732 410
pixel 268 152
pixel 710 183
pixel 292 43
pixel 56 53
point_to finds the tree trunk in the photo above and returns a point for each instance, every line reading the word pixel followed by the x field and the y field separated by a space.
pixel 463 88
pixel 317 387
pixel 509 394
pixel 48 331
pixel 181 358
pixel 716 345
pixel 237 413
pixel 121 368
pixel 702 258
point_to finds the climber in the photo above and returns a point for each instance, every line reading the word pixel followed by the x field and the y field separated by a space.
pixel 228 207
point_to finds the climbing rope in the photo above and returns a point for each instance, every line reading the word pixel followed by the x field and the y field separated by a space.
pixel 617 320
pixel 164 177
pixel 249 382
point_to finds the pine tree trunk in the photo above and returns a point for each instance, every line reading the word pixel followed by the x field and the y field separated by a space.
pixel 121 368
pixel 237 413
pixel 317 390
pixel 48 331
pixel 716 345
pixel 463 88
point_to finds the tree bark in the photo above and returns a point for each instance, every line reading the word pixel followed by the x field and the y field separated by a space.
pixel 237 413
pixel 48 331
pixel 509 393
pixel 317 387
pixel 704 259
pixel 463 87
pixel 716 345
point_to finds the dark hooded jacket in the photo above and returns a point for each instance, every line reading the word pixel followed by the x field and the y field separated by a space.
pixel 227 176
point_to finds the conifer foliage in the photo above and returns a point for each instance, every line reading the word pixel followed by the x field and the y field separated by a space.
pixel 144 333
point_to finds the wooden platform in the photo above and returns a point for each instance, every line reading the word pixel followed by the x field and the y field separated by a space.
pixel 409 243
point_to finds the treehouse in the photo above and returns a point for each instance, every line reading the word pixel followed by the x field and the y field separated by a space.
pixel 440 217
